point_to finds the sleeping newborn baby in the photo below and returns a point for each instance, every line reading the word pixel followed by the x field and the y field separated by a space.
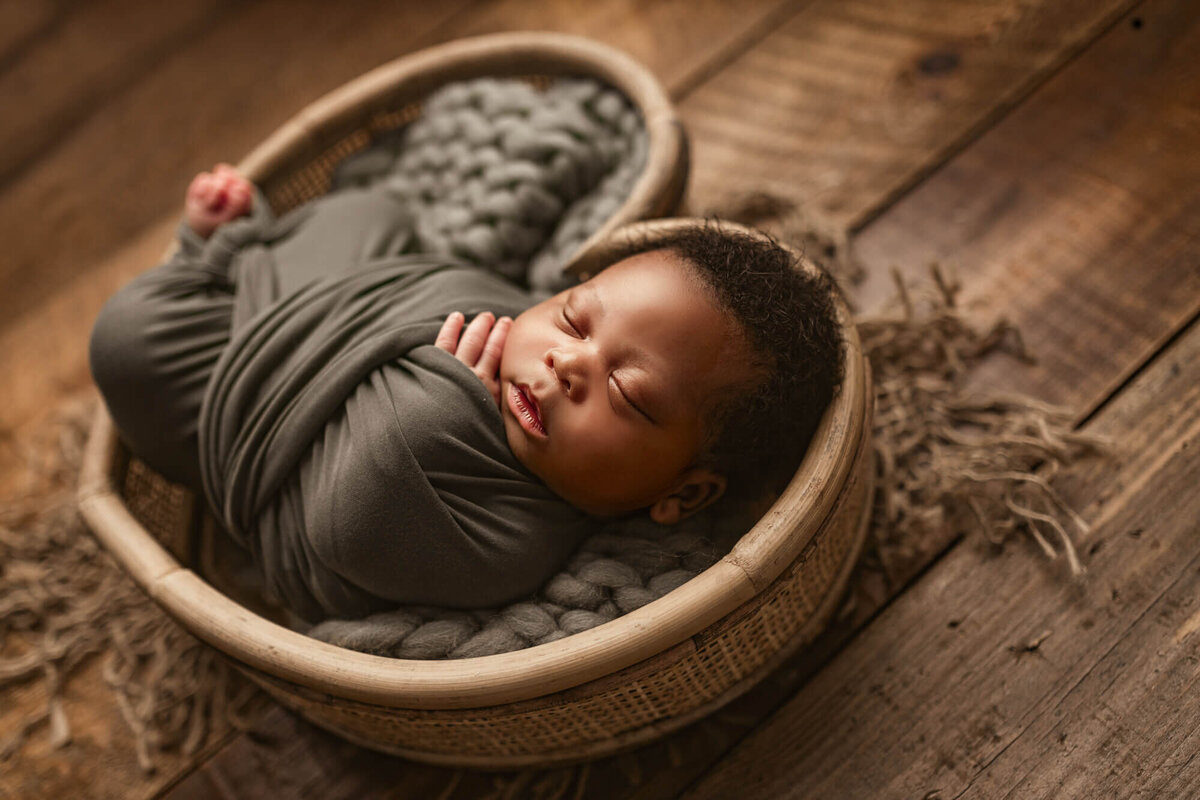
pixel 380 427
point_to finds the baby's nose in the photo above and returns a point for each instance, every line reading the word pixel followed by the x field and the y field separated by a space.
pixel 570 368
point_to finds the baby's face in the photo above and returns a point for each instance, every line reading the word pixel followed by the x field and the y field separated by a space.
pixel 604 387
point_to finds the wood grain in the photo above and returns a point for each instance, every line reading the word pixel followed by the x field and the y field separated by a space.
pixel 998 676
pixel 118 55
pixel 1094 311
pixel 850 103
pixel 109 177
pixel 678 40
pixel 279 753
pixel 1129 725
pixel 77 215
pixel 1072 218
pixel 286 757
pixel 1077 217
pixel 24 25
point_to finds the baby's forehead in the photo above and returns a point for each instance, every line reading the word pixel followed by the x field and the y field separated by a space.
pixel 666 310
pixel 652 268
pixel 651 256
pixel 647 282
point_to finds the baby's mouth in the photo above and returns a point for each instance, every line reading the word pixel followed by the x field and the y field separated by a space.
pixel 525 408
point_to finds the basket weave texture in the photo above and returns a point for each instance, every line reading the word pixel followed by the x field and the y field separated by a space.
pixel 597 692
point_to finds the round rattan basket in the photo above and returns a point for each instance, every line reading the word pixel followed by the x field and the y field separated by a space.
pixel 607 689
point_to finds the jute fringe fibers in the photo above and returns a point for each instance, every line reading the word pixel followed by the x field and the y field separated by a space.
pixel 63 601
pixel 945 458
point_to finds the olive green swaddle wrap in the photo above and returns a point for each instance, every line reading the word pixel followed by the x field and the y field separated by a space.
pixel 364 467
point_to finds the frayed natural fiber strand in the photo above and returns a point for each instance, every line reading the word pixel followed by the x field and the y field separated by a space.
pixel 947 457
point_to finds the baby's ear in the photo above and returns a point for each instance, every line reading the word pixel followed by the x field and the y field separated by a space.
pixel 696 488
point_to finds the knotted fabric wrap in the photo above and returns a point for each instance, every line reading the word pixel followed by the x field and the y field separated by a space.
pixel 362 466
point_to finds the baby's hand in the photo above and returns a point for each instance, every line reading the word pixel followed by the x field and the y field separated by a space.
pixel 480 347
pixel 216 197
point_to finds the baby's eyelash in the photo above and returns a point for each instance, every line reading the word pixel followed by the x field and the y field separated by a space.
pixel 571 325
pixel 629 401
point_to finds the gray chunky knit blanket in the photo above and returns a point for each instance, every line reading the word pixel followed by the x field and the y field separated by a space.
pixel 615 571
pixel 509 177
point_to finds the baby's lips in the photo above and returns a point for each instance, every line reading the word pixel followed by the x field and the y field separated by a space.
pixel 537 406
pixel 527 403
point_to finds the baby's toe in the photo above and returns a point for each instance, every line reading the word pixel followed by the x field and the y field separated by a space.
pixel 204 188
pixel 240 196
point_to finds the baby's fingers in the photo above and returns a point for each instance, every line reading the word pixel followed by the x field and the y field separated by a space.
pixel 489 362
pixel 447 338
pixel 470 347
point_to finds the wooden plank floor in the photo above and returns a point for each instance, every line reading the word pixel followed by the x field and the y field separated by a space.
pixel 1049 151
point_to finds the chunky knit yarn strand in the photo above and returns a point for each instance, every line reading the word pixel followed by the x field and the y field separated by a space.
pixel 509 176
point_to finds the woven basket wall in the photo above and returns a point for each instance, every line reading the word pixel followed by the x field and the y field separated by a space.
pixel 597 692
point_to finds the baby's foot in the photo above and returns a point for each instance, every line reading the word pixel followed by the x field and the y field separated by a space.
pixel 216 197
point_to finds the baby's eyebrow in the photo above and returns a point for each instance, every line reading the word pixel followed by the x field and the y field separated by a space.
pixel 589 292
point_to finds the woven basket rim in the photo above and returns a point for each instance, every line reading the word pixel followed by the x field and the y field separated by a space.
pixel 757 559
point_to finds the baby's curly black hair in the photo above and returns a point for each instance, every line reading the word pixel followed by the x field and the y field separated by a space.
pixel 788 317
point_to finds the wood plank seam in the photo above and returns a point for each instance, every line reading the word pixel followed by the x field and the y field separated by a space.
pixel 1004 106
pixel 130 75
pixel 1113 507
pixel 1137 369
pixel 1020 95
pixel 29 41
pixel 696 77
pixel 206 753
pixel 736 737
pixel 727 55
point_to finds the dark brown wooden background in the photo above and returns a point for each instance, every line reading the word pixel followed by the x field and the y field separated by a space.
pixel 1048 150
